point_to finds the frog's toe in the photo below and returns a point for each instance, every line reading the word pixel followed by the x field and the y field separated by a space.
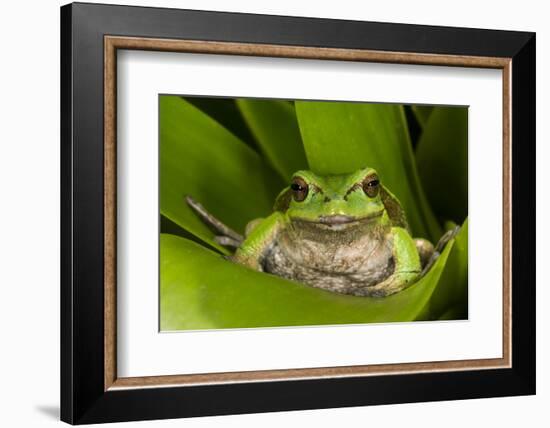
pixel 447 236
pixel 227 241
pixel 425 250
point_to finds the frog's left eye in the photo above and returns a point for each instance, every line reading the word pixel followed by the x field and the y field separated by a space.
pixel 371 186
pixel 299 189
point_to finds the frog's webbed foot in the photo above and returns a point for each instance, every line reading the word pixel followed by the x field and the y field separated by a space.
pixel 443 241
pixel 226 236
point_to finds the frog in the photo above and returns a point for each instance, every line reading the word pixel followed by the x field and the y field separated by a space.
pixel 343 233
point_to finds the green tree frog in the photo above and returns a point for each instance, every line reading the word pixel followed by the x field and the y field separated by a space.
pixel 343 233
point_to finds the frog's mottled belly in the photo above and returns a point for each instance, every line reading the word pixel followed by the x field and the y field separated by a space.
pixel 339 265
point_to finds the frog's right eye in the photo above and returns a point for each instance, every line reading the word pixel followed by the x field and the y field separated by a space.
pixel 371 186
pixel 299 189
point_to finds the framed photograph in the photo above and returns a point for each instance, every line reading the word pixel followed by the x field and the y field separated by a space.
pixel 265 213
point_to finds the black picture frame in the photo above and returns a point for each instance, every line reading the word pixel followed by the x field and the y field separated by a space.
pixel 83 395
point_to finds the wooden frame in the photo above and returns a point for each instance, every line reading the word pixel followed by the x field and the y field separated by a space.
pixel 112 43
pixel 91 391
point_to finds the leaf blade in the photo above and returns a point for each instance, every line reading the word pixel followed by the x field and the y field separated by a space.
pixel 451 294
pixel 274 125
pixel 199 157
pixel 442 159
pixel 227 295
pixel 422 114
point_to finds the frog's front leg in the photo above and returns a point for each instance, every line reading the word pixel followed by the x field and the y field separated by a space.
pixel 261 233
pixel 407 266
pixel 224 234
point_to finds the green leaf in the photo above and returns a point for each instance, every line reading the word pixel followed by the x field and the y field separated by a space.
pixel 169 227
pixel 226 113
pixel 202 290
pixel 451 295
pixel 199 157
pixel 422 114
pixel 442 159
pixel 274 125
pixel 454 313
pixel 342 137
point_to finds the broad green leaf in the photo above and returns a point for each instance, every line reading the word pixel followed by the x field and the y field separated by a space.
pixel 442 159
pixel 226 113
pixel 171 228
pixel 449 224
pixel 199 157
pixel 341 137
pixel 202 290
pixel 274 125
pixel 422 114
pixel 454 313
pixel 452 291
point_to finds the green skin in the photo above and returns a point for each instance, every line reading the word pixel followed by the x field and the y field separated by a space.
pixel 346 233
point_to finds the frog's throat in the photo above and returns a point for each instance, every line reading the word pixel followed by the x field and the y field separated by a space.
pixel 338 221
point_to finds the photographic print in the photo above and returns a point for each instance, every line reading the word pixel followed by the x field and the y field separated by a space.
pixel 298 213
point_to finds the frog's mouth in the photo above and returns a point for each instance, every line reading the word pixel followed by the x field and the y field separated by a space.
pixel 338 222
pixel 331 220
pixel 341 224
pixel 339 219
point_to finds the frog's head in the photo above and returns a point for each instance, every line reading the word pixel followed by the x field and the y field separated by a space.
pixel 334 202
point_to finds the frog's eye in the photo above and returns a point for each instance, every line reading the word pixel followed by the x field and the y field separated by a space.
pixel 371 186
pixel 299 189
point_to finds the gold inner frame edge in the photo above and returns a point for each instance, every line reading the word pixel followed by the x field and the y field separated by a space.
pixel 113 43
